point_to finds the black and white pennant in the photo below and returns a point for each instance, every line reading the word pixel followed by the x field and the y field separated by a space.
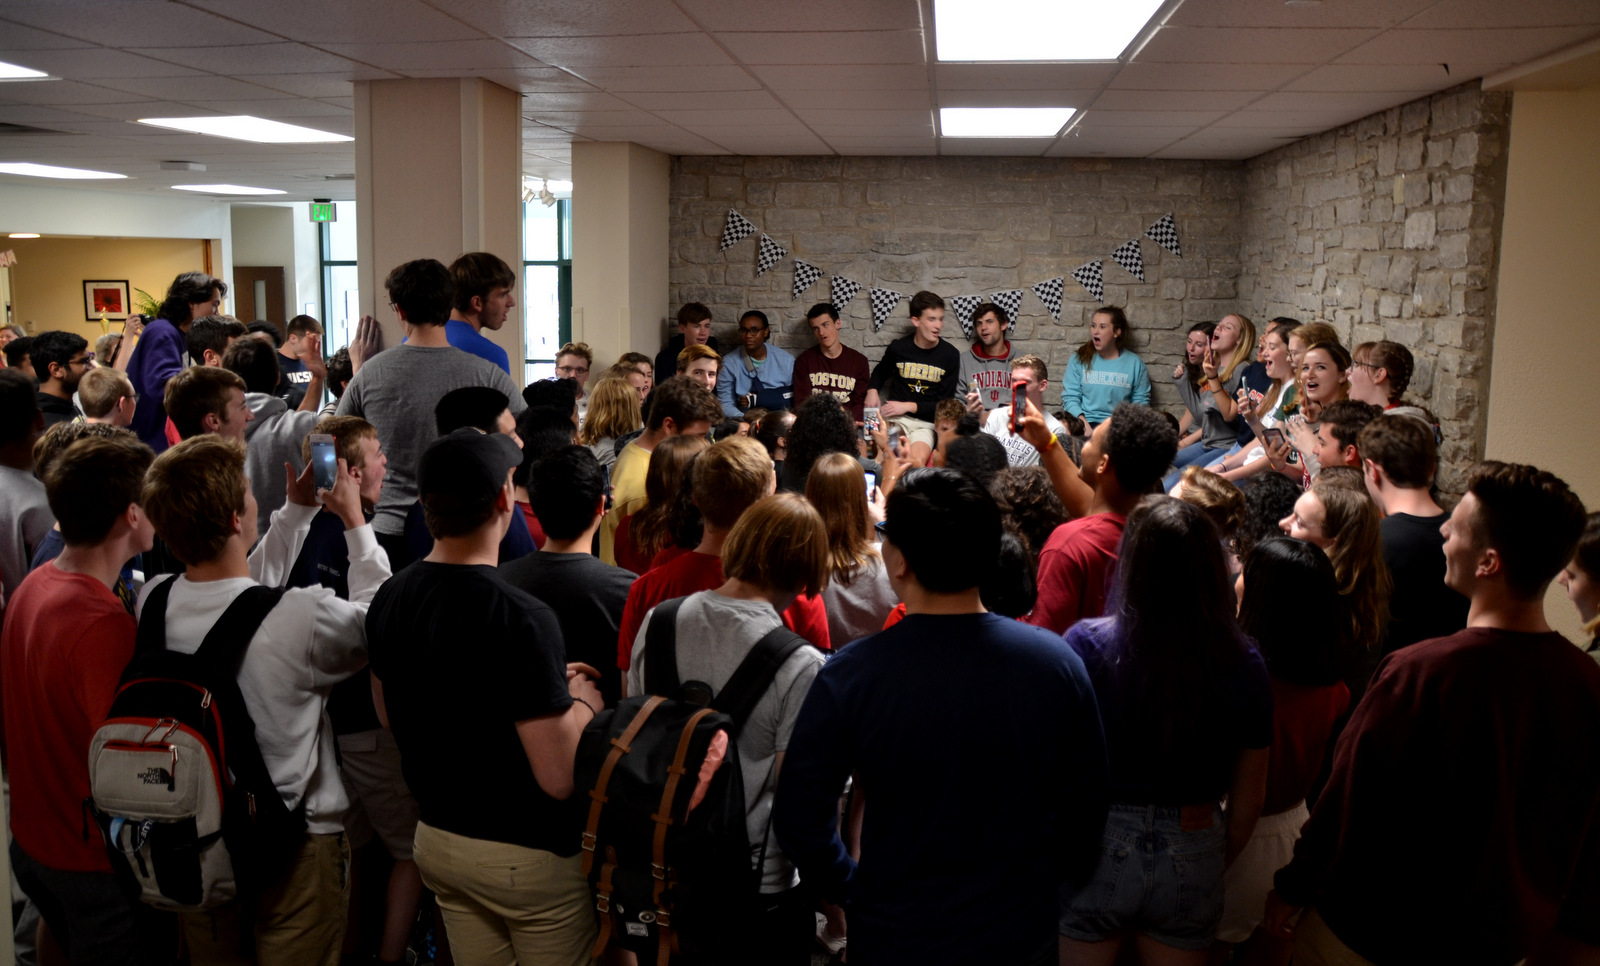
pixel 1011 301
pixel 842 290
pixel 962 306
pixel 1092 277
pixel 771 254
pixel 1131 257
pixel 1050 294
pixel 805 276
pixel 736 229
pixel 1165 233
pixel 883 302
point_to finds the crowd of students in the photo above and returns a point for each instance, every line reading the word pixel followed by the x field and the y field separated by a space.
pixel 1088 686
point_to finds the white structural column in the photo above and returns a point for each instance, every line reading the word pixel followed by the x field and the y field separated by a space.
pixel 619 247
pixel 438 173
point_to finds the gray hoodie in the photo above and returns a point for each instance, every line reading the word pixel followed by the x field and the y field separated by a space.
pixel 272 439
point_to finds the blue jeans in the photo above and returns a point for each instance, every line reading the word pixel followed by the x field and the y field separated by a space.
pixel 1154 878
pixel 1189 456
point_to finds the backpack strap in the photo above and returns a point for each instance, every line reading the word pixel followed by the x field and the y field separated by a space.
pixel 224 645
pixel 659 869
pixel 755 674
pixel 661 649
pixel 152 633
pixel 597 796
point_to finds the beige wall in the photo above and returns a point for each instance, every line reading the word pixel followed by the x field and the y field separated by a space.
pixel 263 237
pixel 47 280
pixel 1543 406
pixel 619 247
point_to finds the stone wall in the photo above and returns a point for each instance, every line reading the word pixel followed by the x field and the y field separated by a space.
pixel 1388 228
pixel 962 226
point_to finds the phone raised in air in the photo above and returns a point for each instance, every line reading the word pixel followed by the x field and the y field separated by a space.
pixel 871 421
pixel 324 461
pixel 1019 403
pixel 872 484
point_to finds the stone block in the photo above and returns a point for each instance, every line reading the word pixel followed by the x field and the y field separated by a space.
pixel 1454 217
pixel 977 219
pixel 1073 225
pixel 1414 116
pixel 807 195
pixel 1420 229
pixel 1416 191
pixel 1029 225
pixel 1128 183
pixel 1410 157
pixel 831 242
pixel 870 169
pixel 838 217
pixel 1402 274
pixel 1389 306
pixel 1453 250
pixel 1010 194
pixel 760 194
pixel 1179 184
pixel 876 220
pixel 1432 294
pixel 1465 152
pixel 1212 288
pixel 1458 189
pixel 1171 288
pixel 1439 152
pixel 1347 211
pixel 766 169
pixel 786 219
pixel 1362 238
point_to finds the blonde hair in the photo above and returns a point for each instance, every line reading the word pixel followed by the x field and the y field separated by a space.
pixel 347 433
pixel 1351 520
pixel 579 349
pixel 101 389
pixel 1222 501
pixel 192 494
pixel 1035 363
pixel 613 411
pixel 693 353
pixel 729 478
pixel 779 543
pixel 1244 350
pixel 837 487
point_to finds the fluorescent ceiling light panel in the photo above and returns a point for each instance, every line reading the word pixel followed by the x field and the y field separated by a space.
pixel 18 72
pixel 1033 30
pixel 243 127
pixel 1003 122
pixel 51 171
pixel 23 234
pixel 227 189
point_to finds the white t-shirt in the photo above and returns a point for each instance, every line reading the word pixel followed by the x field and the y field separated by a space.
pixel 311 641
pixel 1019 452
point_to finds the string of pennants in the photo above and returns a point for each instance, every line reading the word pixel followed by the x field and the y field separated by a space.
pixel 1130 256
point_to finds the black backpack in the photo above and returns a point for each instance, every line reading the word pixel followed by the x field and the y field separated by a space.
pixel 178 785
pixel 668 879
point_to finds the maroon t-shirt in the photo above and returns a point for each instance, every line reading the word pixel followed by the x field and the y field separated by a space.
pixel 844 378
pixel 1303 717
pixel 1075 570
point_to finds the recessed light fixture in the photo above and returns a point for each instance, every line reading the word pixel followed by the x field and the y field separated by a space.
pixel 243 127
pixel 23 234
pixel 227 189
pixel 1022 30
pixel 18 72
pixel 32 170
pixel 1003 122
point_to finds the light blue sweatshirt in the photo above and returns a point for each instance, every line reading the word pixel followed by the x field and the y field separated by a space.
pixel 1094 392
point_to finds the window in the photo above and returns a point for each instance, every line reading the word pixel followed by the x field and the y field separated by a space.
pixel 547 285
pixel 341 296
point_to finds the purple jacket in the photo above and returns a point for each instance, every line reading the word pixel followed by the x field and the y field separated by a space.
pixel 157 358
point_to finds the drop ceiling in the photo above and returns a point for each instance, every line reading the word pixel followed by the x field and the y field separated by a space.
pixel 1220 79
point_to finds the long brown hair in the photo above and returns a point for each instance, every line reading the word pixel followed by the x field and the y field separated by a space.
pixel 1119 332
pixel 837 487
pixel 653 528
pixel 1351 520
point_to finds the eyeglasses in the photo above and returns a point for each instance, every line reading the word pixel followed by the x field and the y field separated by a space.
pixel 745 331
pixel 572 370
pixel 1364 365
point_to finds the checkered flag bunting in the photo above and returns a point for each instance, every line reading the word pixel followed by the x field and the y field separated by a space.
pixel 805 276
pixel 1011 301
pixel 962 306
pixel 1165 233
pixel 735 230
pixel 1092 277
pixel 1131 257
pixel 883 302
pixel 771 254
pixel 1050 294
pixel 842 291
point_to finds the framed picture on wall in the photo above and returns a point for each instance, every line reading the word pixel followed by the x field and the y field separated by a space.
pixel 105 300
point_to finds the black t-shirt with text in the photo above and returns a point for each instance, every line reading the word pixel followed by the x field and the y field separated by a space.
pixel 296 378
pixel 463 656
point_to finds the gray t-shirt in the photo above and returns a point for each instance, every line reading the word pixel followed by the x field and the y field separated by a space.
pixel 396 391
pixel 1215 432
pixel 714 635
pixel 25 518
pixel 860 607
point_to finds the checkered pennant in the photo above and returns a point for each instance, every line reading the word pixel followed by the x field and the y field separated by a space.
pixel 962 306
pixel 1165 233
pixel 1050 294
pixel 1011 301
pixel 883 302
pixel 1131 257
pixel 805 276
pixel 771 254
pixel 1092 277
pixel 842 290
pixel 737 229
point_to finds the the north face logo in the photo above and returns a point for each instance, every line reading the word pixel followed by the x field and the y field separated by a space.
pixel 156 776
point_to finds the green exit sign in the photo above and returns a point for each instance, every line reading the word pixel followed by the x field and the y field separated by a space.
pixel 324 211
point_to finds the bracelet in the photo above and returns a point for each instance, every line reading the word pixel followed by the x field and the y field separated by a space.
pixel 592 712
pixel 1054 442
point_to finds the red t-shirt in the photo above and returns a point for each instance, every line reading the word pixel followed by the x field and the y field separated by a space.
pixel 66 640
pixel 895 616
pixel 690 574
pixel 629 556
pixel 1075 571
pixel 534 530
pixel 667 555
pixel 1303 717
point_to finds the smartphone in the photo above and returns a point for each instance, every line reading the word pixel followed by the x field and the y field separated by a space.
pixel 1019 403
pixel 324 461
pixel 1272 437
pixel 872 484
pixel 871 422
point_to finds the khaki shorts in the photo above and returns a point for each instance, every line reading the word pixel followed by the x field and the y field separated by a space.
pixel 915 430
pixel 380 802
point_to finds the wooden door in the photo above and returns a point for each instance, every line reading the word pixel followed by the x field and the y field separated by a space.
pixel 249 284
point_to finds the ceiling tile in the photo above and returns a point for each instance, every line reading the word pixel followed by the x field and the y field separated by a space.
pixel 915 100
pixel 459 55
pixel 571 18
pixel 730 119
pixel 779 144
pixel 844 115
pixel 1012 77
pixel 133 111
pixel 208 87
pixel 1133 132
pixel 841 77
pixel 136 24
pixel 1504 46
pixel 1299 123
pixel 681 78
pixel 885 47
pixel 283 58
pixel 65 92
pixel 704 100
pixel 995 147
pixel 539 79
pixel 1254 13
pixel 1347 106
pixel 1173 100
pixel 648 50
pixel 569 120
pixel 1360 78
pixel 99 63
pixel 17 38
pixel 1499 13
pixel 1156 76
pixel 285 109
pixel 316 85
pixel 574 101
pixel 1104 119
pixel 842 15
pixel 356 21
pixel 1045 98
pixel 1214 45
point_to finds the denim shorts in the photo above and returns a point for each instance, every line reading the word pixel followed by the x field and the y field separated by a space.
pixel 1154 879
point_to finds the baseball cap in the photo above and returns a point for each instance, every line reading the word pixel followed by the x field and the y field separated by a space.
pixel 467 465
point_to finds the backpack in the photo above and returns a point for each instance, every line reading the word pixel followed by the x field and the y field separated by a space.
pixel 177 782
pixel 665 847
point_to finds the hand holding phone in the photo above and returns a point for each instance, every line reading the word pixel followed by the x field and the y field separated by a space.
pixel 871 420
pixel 324 461
pixel 872 484
pixel 1019 403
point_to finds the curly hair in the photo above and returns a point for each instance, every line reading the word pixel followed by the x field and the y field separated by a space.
pixel 1141 444
pixel 1222 501
pixel 821 425
pixel 1268 498
pixel 1029 505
